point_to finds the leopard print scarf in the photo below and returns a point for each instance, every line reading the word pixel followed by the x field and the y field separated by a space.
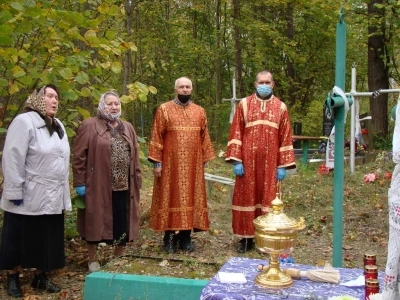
pixel 37 103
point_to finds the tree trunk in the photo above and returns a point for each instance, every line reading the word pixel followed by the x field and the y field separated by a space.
pixel 128 54
pixel 378 73
pixel 238 48
pixel 289 65
pixel 218 79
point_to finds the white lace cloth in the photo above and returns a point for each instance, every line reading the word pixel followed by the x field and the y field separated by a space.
pixel 390 290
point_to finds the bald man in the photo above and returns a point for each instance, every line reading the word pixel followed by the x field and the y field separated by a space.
pixel 180 146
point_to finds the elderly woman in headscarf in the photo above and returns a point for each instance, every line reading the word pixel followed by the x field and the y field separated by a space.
pixel 107 174
pixel 390 290
pixel 36 192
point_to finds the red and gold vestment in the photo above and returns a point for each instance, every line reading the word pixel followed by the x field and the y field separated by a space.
pixel 181 142
pixel 261 138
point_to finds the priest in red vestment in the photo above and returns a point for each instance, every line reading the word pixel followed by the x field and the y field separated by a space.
pixel 260 148
pixel 180 146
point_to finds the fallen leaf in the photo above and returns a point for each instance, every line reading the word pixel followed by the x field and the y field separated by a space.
pixel 164 263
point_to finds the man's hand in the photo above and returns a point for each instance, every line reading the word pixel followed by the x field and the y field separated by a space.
pixel 157 172
pixel 280 173
pixel 238 169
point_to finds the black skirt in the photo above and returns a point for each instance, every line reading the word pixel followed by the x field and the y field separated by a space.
pixel 32 242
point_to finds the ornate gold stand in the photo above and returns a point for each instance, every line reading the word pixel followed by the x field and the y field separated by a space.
pixel 275 233
pixel 273 277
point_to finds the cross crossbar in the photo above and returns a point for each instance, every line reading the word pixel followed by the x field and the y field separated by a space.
pixel 220 179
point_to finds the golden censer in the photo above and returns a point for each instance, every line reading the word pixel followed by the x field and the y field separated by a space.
pixel 276 233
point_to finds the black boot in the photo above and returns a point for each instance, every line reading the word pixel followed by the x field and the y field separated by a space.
pixel 41 282
pixel 185 241
pixel 170 241
pixel 13 287
pixel 245 245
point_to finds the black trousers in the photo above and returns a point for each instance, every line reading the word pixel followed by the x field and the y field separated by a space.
pixel 119 211
pixel 183 237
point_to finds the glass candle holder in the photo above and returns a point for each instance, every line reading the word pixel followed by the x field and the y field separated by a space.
pixel 371 272
pixel 371 287
pixel 369 258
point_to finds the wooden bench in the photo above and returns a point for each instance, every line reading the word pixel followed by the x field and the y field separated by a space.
pixel 223 180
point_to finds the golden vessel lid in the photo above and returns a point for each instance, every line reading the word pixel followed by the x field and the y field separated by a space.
pixel 277 220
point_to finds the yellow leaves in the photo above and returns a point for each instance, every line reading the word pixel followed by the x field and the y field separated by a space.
pixel 65 73
pixel 152 90
pixel 22 54
pixel 111 10
pixel 53 49
pixel 132 46
pixel 103 8
pixel 214 231
pixel 91 38
pixel 126 99
pixel 105 65
pixel 74 33
pixel 116 67
pixel 17 72
pixel 85 113
pixel 85 92
pixel 13 88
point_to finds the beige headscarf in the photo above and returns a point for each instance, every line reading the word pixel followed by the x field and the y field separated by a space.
pixel 37 103
pixel 103 113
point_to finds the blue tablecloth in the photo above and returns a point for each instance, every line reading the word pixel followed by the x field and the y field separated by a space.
pixel 301 289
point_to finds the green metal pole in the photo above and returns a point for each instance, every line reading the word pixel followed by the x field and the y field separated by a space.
pixel 339 115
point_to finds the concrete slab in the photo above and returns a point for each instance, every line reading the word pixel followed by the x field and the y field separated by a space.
pixel 111 286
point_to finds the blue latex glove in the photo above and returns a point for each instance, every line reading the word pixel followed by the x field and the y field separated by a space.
pixel 280 173
pixel 81 190
pixel 17 202
pixel 238 169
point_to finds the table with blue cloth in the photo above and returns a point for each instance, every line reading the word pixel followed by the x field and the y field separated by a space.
pixel 302 288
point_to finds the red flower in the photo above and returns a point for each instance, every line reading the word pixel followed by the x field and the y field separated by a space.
pixel 387 175
pixel 364 131
pixel 371 177
pixel 323 169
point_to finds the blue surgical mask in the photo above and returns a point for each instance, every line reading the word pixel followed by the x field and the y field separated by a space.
pixel 264 90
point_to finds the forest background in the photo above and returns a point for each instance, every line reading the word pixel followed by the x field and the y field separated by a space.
pixel 139 48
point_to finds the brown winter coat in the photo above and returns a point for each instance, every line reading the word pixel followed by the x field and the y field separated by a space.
pixel 91 166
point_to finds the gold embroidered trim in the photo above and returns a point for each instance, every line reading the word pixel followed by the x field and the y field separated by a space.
pixel 251 208
pixel 174 128
pixel 286 148
pixel 235 141
pixel 262 122
pixel 157 145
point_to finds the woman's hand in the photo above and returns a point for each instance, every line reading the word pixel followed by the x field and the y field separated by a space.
pixel 81 190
